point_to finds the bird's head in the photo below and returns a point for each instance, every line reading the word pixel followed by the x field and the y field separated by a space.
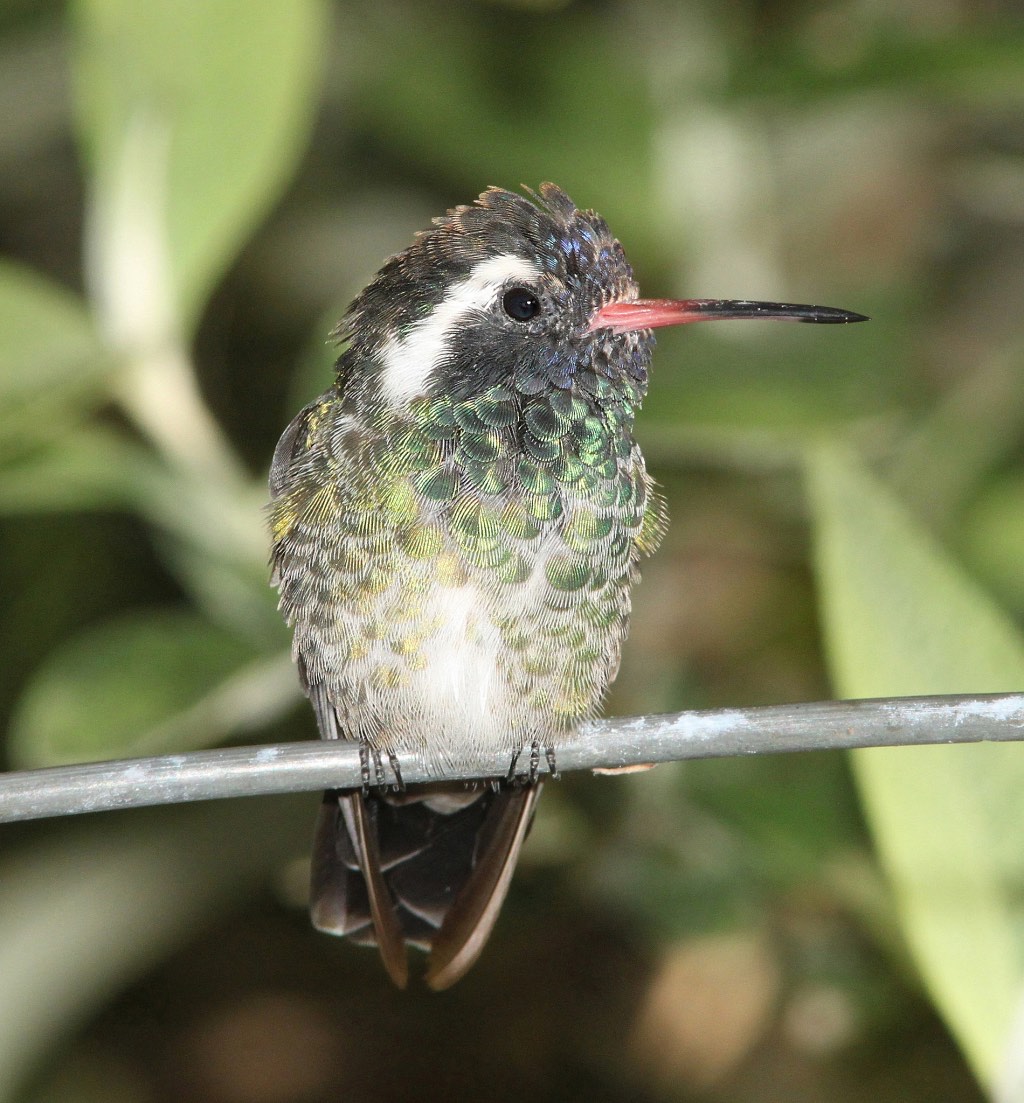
pixel 503 291
pixel 525 290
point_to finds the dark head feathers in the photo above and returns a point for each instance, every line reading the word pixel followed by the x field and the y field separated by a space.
pixel 545 227
pixel 544 223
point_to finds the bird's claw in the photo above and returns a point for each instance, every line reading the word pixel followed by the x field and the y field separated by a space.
pixel 380 774
pixel 396 769
pixel 549 754
pixel 532 775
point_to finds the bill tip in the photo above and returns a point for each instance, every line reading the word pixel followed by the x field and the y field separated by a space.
pixel 836 317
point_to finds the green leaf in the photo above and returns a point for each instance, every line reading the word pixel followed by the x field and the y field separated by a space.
pixel 541 108
pixel 993 535
pixel 47 340
pixel 85 467
pixel 902 618
pixel 145 683
pixel 219 97
pixel 973 65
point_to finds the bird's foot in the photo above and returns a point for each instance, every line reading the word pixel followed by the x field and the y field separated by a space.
pixel 364 769
pixel 510 777
pixel 377 778
pixel 549 754
pixel 533 773
pixel 396 769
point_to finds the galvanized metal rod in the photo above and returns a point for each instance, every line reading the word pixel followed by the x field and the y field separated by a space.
pixel 610 744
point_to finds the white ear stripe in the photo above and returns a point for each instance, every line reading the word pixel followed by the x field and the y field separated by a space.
pixel 408 362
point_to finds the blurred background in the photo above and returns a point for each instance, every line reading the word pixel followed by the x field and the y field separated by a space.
pixel 189 197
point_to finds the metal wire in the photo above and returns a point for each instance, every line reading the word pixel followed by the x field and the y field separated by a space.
pixel 611 744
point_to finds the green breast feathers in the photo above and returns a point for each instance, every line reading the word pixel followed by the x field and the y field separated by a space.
pixel 464 569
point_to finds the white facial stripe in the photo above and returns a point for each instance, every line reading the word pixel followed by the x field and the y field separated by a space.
pixel 410 361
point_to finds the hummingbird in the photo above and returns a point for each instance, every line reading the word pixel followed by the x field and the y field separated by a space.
pixel 456 527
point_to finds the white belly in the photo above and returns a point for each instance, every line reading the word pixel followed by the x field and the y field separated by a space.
pixel 461 689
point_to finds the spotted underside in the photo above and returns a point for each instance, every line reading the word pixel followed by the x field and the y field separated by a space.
pixel 458 574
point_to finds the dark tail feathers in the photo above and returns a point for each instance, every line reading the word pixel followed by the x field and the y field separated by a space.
pixel 429 867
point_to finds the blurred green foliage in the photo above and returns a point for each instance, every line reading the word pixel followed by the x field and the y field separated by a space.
pixel 189 195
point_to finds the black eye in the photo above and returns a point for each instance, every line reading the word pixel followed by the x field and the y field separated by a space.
pixel 520 303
